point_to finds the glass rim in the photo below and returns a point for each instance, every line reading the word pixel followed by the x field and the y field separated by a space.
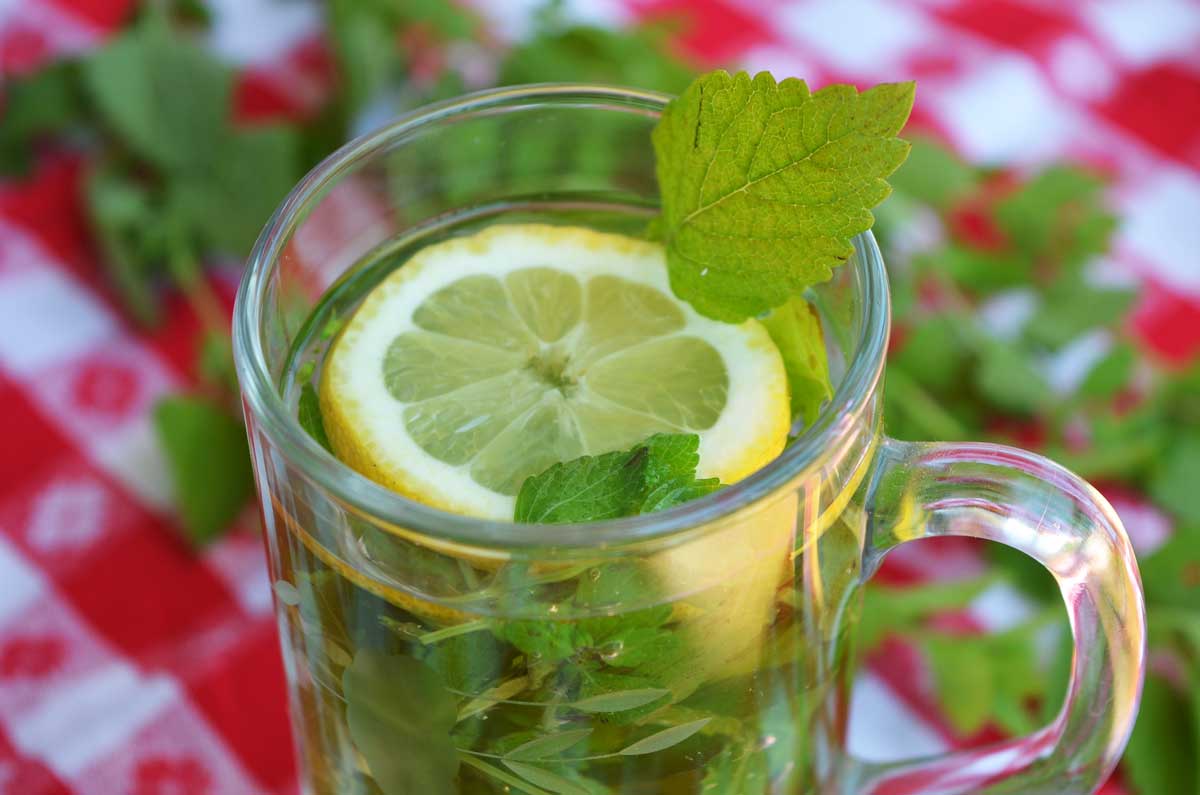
pixel 262 398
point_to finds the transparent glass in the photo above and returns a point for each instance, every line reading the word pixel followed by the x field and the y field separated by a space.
pixel 704 649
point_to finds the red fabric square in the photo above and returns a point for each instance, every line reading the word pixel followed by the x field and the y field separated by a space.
pixel 31 443
pixel 711 31
pixel 244 697
pixel 47 205
pixel 146 592
pixel 104 14
pixel 1017 25
pixel 1160 105
pixel 1168 323
pixel 21 775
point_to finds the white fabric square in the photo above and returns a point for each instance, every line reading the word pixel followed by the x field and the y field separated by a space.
pixel 91 717
pixel 239 560
pixel 857 36
pixel 1080 70
pixel 45 319
pixel 1146 31
pixel 20 583
pixel 261 31
pixel 178 752
pixel 883 728
pixel 1160 226
pixel 1006 112
pixel 135 458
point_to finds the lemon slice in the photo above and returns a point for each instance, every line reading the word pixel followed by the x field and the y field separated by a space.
pixel 485 359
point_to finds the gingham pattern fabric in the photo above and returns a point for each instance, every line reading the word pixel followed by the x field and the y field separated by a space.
pixel 131 666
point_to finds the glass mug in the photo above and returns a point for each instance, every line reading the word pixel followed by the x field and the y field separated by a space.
pixel 704 649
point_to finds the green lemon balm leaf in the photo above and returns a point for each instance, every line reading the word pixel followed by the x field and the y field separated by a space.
pixel 764 184
pixel 308 413
pixel 795 328
pixel 205 448
pixel 163 95
pixel 400 717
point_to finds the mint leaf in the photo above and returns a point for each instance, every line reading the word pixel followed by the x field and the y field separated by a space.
pixel 671 457
pixel 546 779
pixel 980 271
pixel 670 476
pixel 549 745
pixel 666 738
pixel 209 464
pixel 933 174
pixel 634 647
pixel 1109 375
pixel 1160 757
pixel 400 717
pixel 1174 478
pixel 897 610
pixel 660 473
pixel 1008 379
pixel 669 495
pixel 795 328
pixel 447 20
pixel 308 413
pixel 1059 215
pixel 621 700
pixel 935 351
pixel 162 94
pixel 585 489
pixel 43 103
pixel 965 680
pixel 1171 574
pixel 549 641
pixel 763 184
pixel 1070 307
pixel 362 37
pixel 618 584
pixel 215 361
pixel 1017 676
pixel 587 54
pixel 468 663
pixel 1023 573
pixel 228 204
pixel 123 218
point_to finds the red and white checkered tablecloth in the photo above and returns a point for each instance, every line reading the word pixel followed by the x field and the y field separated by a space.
pixel 131 666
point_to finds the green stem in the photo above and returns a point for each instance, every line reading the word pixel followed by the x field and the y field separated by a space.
pixel 429 638
pixel 468 574
pixel 490 698
pixel 188 276
pixel 469 758
pixel 593 758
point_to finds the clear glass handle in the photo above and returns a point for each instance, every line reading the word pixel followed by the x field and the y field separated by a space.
pixel 922 490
